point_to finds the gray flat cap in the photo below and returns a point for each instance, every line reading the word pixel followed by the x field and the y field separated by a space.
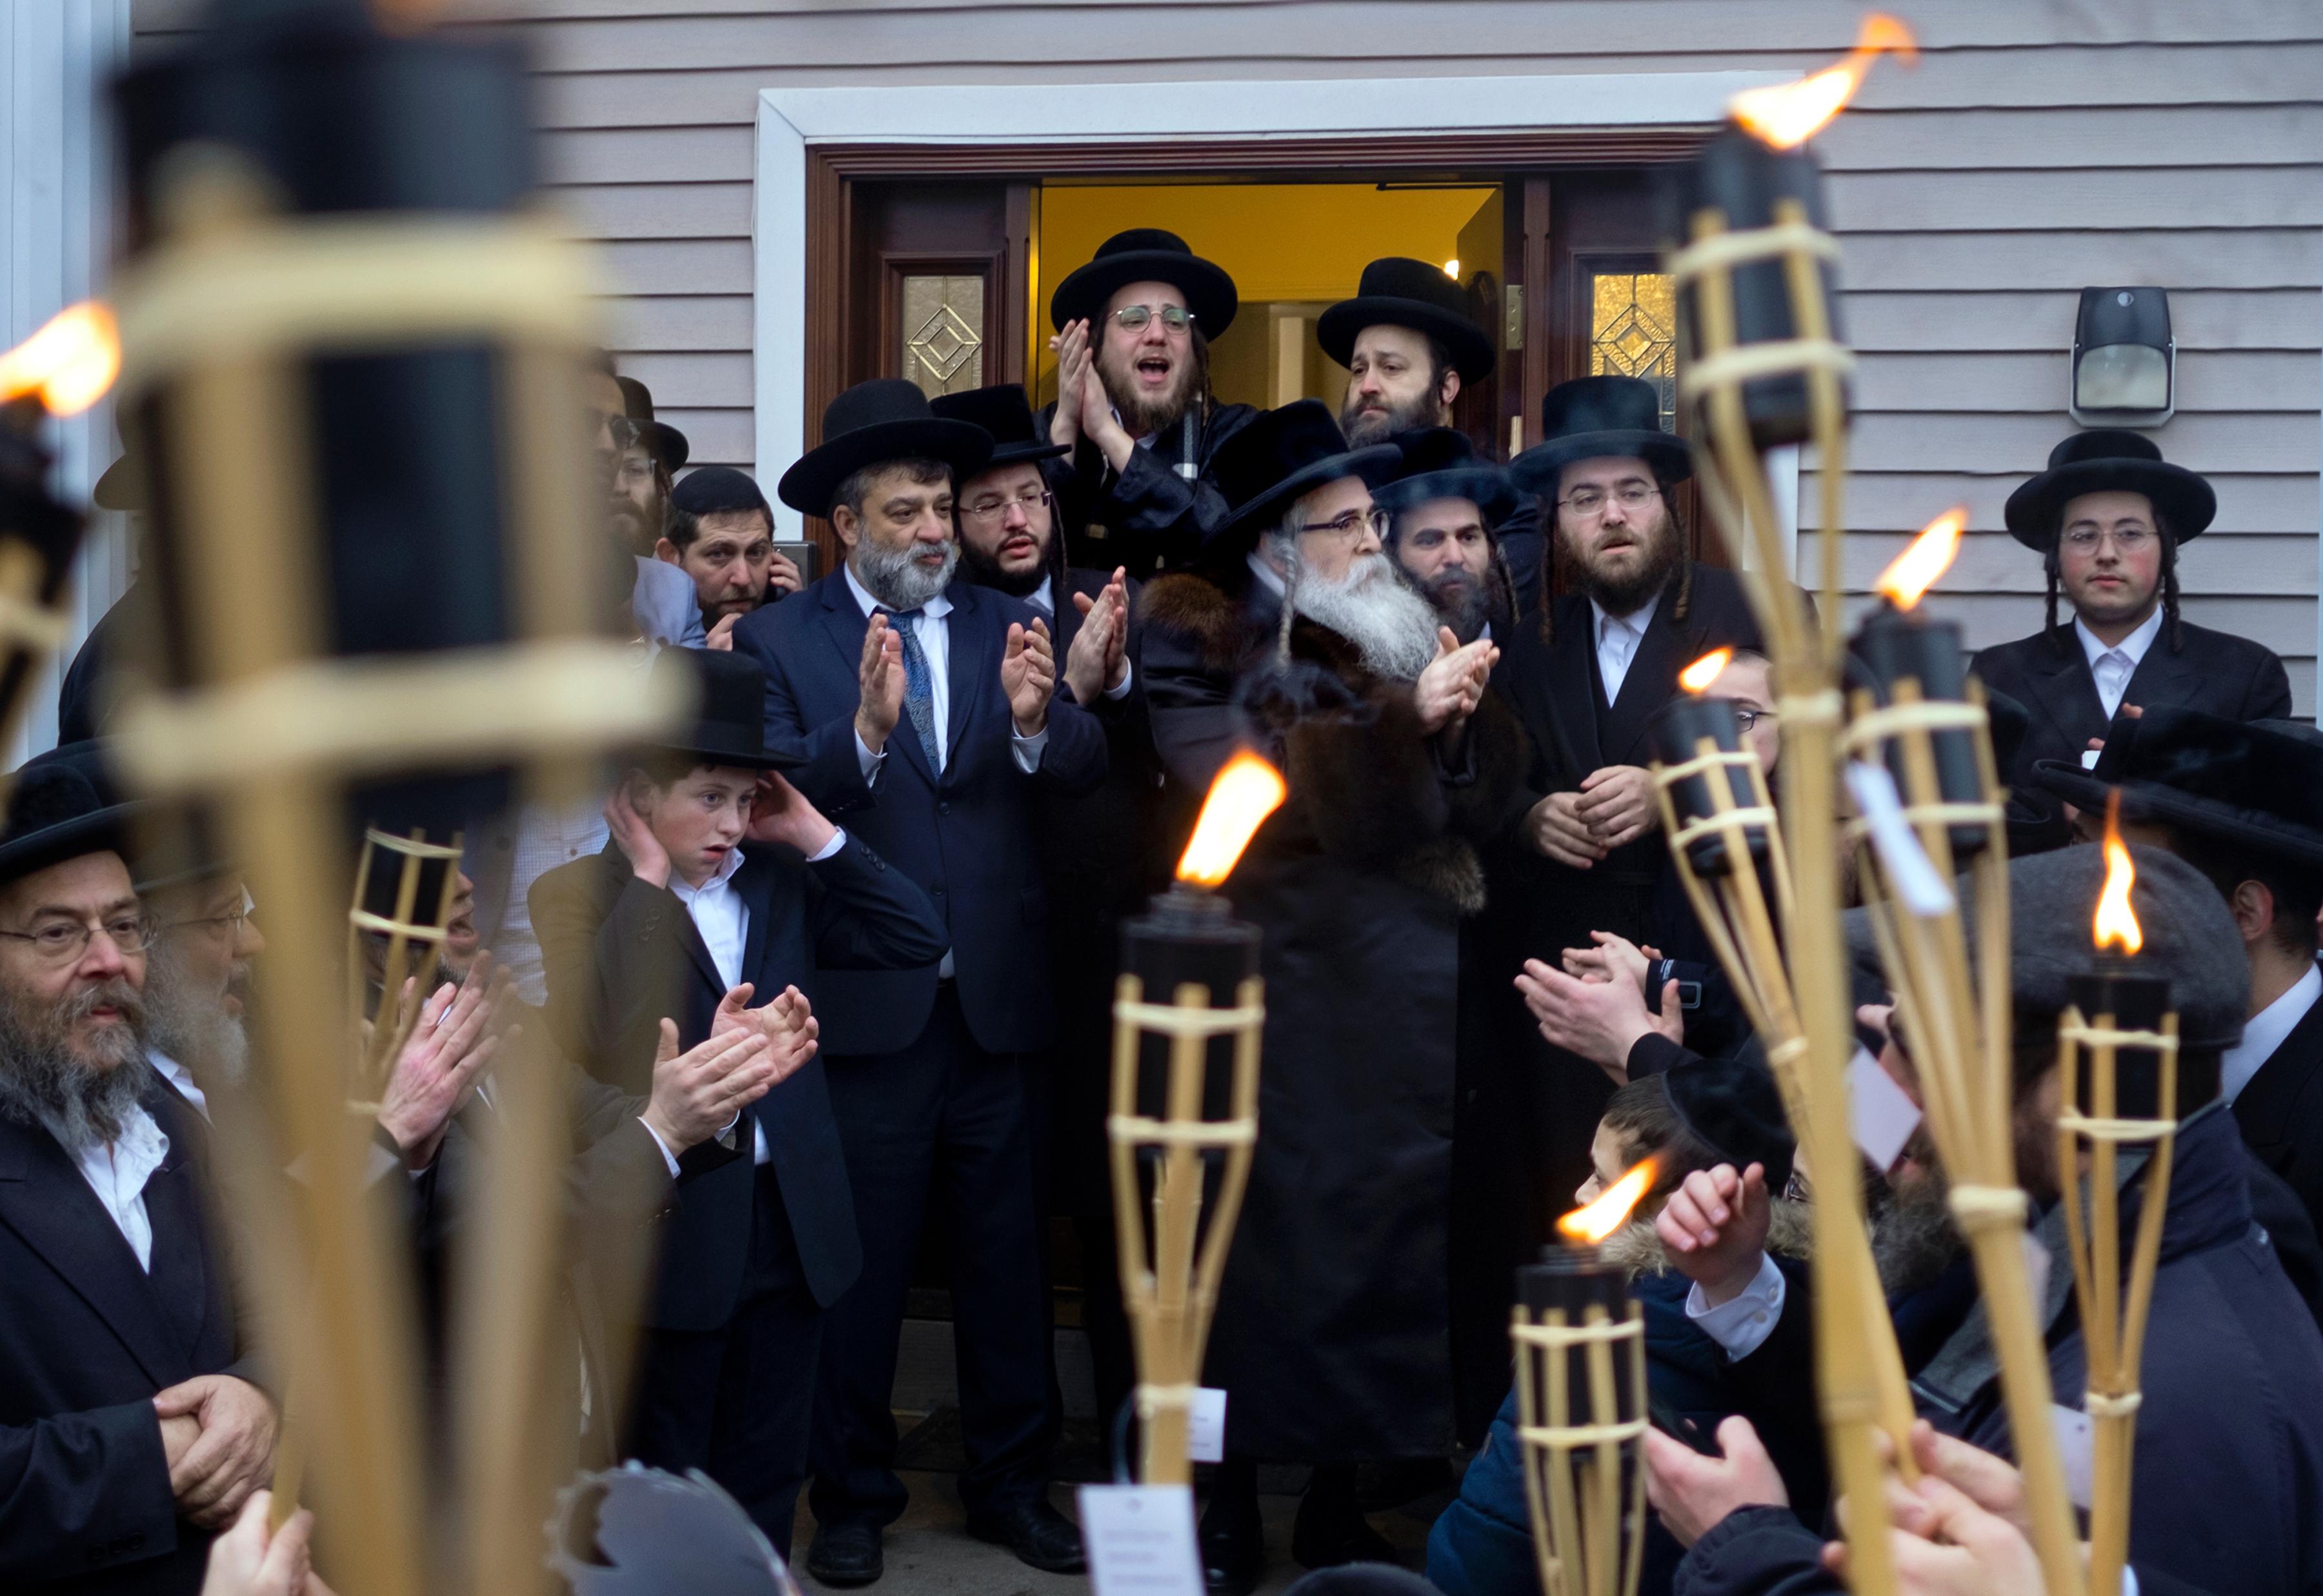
pixel 2190 939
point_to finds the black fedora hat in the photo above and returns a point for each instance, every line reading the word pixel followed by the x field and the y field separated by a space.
pixel 1734 1109
pixel 729 716
pixel 669 444
pixel 886 419
pixel 2109 457
pixel 1146 255
pixel 1282 454
pixel 1398 291
pixel 1590 418
pixel 123 484
pixel 1005 412
pixel 1441 462
pixel 2254 785
pixel 62 807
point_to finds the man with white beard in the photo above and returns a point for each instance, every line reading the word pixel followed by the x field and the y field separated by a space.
pixel 1293 635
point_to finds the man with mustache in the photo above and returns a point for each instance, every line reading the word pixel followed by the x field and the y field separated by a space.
pixel 1097 851
pixel 2108 518
pixel 129 1430
pixel 1134 405
pixel 921 713
pixel 1442 507
pixel 1294 634
pixel 1408 343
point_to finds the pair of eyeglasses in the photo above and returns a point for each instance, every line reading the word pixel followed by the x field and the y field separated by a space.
pixel 624 432
pixel 1351 526
pixel 2129 541
pixel 990 511
pixel 1747 719
pixel 233 922
pixel 65 942
pixel 1175 318
pixel 1591 501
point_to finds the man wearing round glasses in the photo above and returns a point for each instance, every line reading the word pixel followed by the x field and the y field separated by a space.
pixel 2107 518
pixel 1133 409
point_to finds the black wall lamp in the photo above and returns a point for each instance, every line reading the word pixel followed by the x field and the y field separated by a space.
pixel 2124 362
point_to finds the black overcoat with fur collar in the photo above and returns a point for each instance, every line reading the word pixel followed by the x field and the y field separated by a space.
pixel 1331 1334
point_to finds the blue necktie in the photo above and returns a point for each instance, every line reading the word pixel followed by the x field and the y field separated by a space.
pixel 919 691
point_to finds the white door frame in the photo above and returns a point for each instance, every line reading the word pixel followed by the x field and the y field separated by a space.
pixel 790 119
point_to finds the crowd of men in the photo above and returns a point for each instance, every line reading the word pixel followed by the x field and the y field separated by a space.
pixel 833 968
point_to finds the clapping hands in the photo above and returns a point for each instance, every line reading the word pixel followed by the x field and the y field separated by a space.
pixel 1028 676
pixel 1449 690
pixel 1098 661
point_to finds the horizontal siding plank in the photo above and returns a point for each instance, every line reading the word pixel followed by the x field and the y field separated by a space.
pixel 719 438
pixel 681 322
pixel 2096 136
pixel 2218 563
pixel 2206 443
pixel 704 382
pixel 2255 258
pixel 2104 201
pixel 2208 379
pixel 657 210
pixel 713 154
pixel 677 266
pixel 1906 500
pixel 2201 319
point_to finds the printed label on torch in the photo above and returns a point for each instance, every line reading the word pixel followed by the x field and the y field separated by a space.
pixel 1140 1540
pixel 1206 1429
pixel 1908 867
pixel 1880 1113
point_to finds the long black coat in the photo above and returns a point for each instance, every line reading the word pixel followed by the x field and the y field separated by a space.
pixel 1151 513
pixel 2049 673
pixel 2281 1111
pixel 1332 1337
pixel 87 1338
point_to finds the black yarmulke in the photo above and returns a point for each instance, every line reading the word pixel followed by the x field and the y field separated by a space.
pixel 1735 1109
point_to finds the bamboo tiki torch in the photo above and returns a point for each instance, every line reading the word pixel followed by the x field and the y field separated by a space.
pixel 1927 775
pixel 352 363
pixel 1581 1402
pixel 407 906
pixel 1187 1011
pixel 2118 1056
pixel 1762 366
pixel 1727 848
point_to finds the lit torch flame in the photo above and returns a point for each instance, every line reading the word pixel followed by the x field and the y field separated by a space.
pixel 2116 924
pixel 1787 114
pixel 1592 1225
pixel 1247 790
pixel 70 363
pixel 1698 676
pixel 1913 571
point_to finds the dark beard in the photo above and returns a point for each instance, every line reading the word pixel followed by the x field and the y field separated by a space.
pixel 983 570
pixel 1914 1240
pixel 190 1026
pixel 1144 416
pixel 43 1082
pixel 1466 614
pixel 1364 429
pixel 1622 595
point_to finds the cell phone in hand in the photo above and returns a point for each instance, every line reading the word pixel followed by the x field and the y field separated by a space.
pixel 1677 1426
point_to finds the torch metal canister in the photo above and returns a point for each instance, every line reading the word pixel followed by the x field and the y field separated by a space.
pixel 1182 1124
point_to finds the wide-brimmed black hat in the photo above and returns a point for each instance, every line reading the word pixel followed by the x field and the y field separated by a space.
pixel 2108 458
pixel 1734 1109
pixel 729 717
pixel 122 486
pixel 1005 412
pixel 1441 462
pixel 62 808
pixel 1282 455
pixel 2254 785
pixel 1591 417
pixel 1146 255
pixel 886 419
pixel 669 444
pixel 1398 291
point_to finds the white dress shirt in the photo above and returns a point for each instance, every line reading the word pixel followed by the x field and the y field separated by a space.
pixel 179 1077
pixel 2113 667
pixel 1618 640
pixel 928 625
pixel 117 1171
pixel 1043 598
pixel 2264 1032
pixel 546 837
pixel 1743 1324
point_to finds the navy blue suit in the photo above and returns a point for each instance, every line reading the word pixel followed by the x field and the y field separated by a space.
pixel 931 1079
pixel 754 1254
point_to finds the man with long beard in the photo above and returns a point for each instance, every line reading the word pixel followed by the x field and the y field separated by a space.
pixel 1331 1337
pixel 1442 507
pixel 923 711
pixel 1585 676
pixel 130 1432
pixel 1133 403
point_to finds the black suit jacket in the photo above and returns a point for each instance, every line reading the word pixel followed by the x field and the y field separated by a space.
pixel 87 1338
pixel 1095 848
pixel 2281 1111
pixel 966 835
pixel 2049 673
pixel 620 955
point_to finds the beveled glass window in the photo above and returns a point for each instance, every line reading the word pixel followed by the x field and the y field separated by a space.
pixel 1633 332
pixel 944 333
